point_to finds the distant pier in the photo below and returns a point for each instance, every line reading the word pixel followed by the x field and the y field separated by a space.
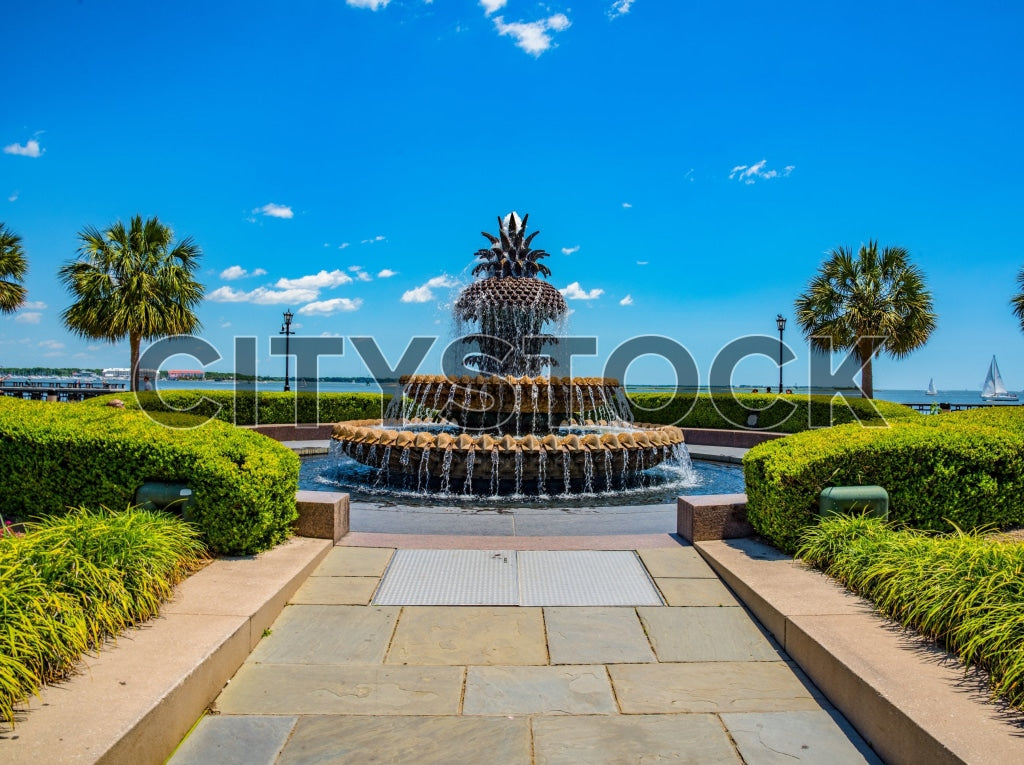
pixel 60 390
pixel 943 406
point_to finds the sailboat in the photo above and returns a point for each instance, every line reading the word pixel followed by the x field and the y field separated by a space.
pixel 931 388
pixel 994 389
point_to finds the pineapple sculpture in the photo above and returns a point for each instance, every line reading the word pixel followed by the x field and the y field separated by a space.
pixel 510 305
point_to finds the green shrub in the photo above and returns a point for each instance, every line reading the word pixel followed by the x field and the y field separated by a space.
pixel 938 470
pixel 962 590
pixel 72 581
pixel 780 414
pixel 56 456
pixel 250 408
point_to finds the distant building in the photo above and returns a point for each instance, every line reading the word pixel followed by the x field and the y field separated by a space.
pixel 186 374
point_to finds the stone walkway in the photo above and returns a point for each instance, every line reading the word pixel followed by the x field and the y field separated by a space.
pixel 339 680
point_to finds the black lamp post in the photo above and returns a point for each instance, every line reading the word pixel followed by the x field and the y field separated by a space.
pixel 286 330
pixel 780 322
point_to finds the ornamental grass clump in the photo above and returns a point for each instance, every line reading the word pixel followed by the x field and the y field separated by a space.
pixel 961 589
pixel 73 581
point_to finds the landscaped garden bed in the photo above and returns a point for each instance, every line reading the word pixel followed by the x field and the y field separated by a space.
pixel 67 583
pixel 963 590
pixel 56 457
pixel 964 469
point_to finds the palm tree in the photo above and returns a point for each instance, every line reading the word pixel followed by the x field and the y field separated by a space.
pixel 1018 300
pixel 870 303
pixel 12 270
pixel 132 283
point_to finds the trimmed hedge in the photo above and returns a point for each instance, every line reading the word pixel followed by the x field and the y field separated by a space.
pixel 779 414
pixel 56 456
pixel 965 469
pixel 250 408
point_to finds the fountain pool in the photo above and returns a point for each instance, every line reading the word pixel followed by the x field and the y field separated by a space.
pixel 663 484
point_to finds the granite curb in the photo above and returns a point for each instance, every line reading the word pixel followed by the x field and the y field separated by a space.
pixel 135 700
pixel 909 700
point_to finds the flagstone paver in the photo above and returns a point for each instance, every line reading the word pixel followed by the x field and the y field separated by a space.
pixel 337 590
pixel 760 686
pixel 301 689
pixel 231 740
pixel 565 690
pixel 418 740
pixel 328 635
pixel 596 636
pixel 773 738
pixel 697 738
pixel 463 635
pixel 705 634
pixel 338 680
pixel 695 592
pixel 679 562
pixel 355 561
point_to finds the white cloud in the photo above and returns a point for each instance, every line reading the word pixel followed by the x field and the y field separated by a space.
pixel 575 292
pixel 272 210
pixel 322 280
pixel 749 174
pixel 30 149
pixel 258 272
pixel 378 238
pixel 424 293
pixel 232 273
pixel 343 245
pixel 355 269
pixel 28 317
pixel 642 262
pixel 386 273
pixel 364 277
pixel 626 204
pixel 225 324
pixel 373 5
pixel 34 305
pixel 628 300
pixel 619 8
pixel 491 6
pixel 570 250
pixel 532 36
pixel 262 296
pixel 53 345
pixel 327 307
pixel 13 197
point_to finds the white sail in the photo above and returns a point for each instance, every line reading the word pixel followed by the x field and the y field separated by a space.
pixel 931 388
pixel 994 387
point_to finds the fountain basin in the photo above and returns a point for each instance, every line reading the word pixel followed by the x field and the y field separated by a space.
pixel 439 457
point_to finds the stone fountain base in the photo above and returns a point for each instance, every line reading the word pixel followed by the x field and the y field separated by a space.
pixel 604 459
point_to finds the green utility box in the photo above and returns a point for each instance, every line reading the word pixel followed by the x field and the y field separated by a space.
pixel 159 495
pixel 854 500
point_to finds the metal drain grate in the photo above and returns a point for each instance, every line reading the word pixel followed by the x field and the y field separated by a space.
pixel 509 578
pixel 584 578
pixel 450 578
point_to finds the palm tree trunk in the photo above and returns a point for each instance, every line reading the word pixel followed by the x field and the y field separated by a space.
pixel 134 342
pixel 865 354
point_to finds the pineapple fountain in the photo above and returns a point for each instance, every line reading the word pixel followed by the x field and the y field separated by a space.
pixel 509 430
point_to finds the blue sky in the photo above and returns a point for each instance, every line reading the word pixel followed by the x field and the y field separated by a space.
pixel 687 164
